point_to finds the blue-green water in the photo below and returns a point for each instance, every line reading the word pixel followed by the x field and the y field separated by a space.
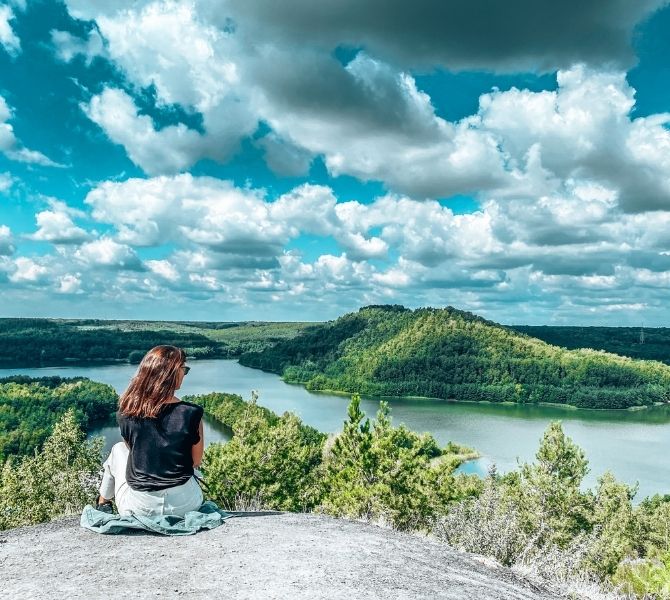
pixel 634 445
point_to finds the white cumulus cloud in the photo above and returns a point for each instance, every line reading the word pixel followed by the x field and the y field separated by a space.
pixel 28 270
pixel 68 46
pixel 8 38
pixel 6 241
pixel 56 226
pixel 105 252
pixel 69 284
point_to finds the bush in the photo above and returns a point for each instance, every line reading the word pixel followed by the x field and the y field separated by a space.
pixel 489 524
pixel 652 520
pixel 378 472
pixel 547 492
pixel 204 352
pixel 648 578
pixel 538 520
pixel 270 462
pixel 228 408
pixel 385 473
pixel 57 480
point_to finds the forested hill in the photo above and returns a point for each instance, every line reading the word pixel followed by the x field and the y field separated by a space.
pixel 452 354
pixel 42 342
pixel 635 342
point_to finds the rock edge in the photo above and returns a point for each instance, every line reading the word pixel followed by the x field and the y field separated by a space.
pixel 280 556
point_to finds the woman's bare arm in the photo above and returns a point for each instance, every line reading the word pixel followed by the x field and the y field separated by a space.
pixel 198 449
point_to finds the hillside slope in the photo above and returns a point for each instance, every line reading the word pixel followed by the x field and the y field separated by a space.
pixel 452 354
pixel 287 556
pixel 651 343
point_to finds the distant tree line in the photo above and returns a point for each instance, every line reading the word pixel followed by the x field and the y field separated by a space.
pixel 38 342
pixel 635 342
pixel 35 342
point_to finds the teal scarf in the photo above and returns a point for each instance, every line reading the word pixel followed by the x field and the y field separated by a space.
pixel 208 516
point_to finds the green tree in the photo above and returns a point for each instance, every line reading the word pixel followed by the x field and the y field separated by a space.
pixel 272 463
pixel 447 353
pixel 652 520
pixel 57 480
pixel 613 519
pixel 30 407
pixel 548 491
pixel 135 356
pixel 349 467
pixel 382 472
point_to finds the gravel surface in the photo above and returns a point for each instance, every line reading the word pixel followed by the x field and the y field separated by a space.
pixel 281 556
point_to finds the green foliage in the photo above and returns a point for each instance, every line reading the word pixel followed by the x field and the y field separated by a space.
pixel 272 461
pixel 555 512
pixel 252 336
pixel 200 353
pixel 135 357
pixel 649 578
pixel 370 471
pixel 652 518
pixel 229 408
pixel 540 519
pixel 57 480
pixel 35 342
pixel 612 517
pixel 552 507
pixel 451 354
pixel 381 472
pixel 624 341
pixel 30 407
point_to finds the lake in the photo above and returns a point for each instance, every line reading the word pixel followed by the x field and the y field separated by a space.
pixel 633 445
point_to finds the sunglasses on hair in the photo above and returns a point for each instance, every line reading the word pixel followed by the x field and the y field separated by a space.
pixel 186 369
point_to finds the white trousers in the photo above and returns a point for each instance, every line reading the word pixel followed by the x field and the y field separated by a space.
pixel 176 500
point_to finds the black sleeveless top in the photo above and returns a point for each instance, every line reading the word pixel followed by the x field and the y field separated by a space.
pixel 160 449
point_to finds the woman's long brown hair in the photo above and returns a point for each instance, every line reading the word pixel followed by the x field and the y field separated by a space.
pixel 154 384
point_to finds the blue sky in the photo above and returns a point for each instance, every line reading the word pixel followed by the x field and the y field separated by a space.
pixel 231 160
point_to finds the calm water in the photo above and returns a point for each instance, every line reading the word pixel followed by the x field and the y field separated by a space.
pixel 634 445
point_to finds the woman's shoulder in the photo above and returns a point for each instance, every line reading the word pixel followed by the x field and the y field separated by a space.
pixel 122 417
pixel 190 406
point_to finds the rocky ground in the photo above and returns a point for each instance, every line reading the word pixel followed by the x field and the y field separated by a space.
pixel 292 556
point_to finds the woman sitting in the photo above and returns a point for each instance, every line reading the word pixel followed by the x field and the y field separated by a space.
pixel 151 473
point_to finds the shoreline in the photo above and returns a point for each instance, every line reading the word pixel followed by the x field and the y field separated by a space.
pixel 303 384
pixel 98 362
pixel 567 407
